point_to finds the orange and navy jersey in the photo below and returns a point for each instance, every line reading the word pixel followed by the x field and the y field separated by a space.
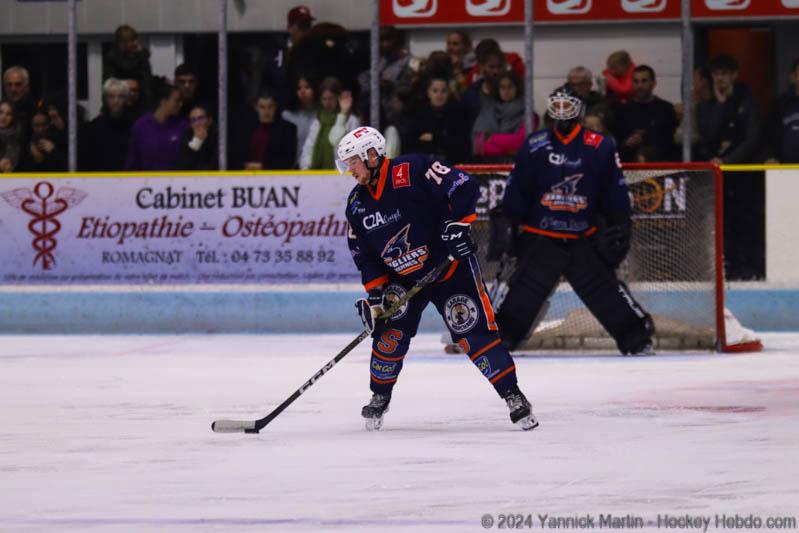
pixel 395 226
pixel 560 185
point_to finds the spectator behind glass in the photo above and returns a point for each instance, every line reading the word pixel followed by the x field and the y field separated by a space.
pixel 302 114
pixel 17 91
pixel 155 138
pixel 332 122
pixel 44 153
pixel 439 127
pixel 728 124
pixel 618 78
pixel 782 132
pixel 10 134
pixel 187 80
pixel 480 93
pixel 499 130
pixel 394 66
pixel 128 59
pixel 581 80
pixel 459 50
pixel 104 141
pixel 701 92
pixel 134 106
pixel 273 143
pixel 645 121
pixel 199 148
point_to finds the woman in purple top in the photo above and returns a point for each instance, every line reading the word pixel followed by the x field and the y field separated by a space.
pixel 155 138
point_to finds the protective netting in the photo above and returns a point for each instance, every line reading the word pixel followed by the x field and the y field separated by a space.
pixel 670 270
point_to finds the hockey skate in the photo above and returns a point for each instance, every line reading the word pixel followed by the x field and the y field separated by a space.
pixel 521 412
pixel 374 411
pixel 643 352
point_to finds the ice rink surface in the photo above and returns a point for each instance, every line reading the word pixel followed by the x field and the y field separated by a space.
pixel 113 434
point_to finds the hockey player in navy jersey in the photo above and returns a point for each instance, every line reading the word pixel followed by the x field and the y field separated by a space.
pixel 566 183
pixel 406 216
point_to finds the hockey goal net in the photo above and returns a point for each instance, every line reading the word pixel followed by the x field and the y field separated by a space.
pixel 675 266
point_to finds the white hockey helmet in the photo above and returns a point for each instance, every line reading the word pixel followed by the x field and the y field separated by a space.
pixel 358 142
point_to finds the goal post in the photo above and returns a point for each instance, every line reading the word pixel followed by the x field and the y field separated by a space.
pixel 675 267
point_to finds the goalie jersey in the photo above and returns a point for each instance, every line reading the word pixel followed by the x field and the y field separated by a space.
pixel 395 227
pixel 559 185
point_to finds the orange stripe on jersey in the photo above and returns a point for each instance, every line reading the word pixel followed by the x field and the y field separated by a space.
pixel 570 137
pixel 502 374
pixel 469 219
pixel 387 359
pixel 451 272
pixel 484 349
pixel 381 180
pixel 382 280
pixel 558 235
pixel 383 381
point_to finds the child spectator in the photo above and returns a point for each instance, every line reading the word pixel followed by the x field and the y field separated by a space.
pixel 155 138
pixel 10 134
pixel 499 130
pixel 439 127
pixel 273 143
pixel 199 148
pixel 333 121
pixel 302 113
pixel 45 153
pixel 103 144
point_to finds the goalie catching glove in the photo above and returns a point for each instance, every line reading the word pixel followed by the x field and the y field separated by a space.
pixel 613 243
pixel 458 239
pixel 370 309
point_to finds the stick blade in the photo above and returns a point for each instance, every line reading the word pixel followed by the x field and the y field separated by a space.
pixel 234 426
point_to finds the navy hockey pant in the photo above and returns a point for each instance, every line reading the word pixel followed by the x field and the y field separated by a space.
pixel 462 300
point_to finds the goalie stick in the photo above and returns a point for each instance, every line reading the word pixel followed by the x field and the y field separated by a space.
pixel 255 426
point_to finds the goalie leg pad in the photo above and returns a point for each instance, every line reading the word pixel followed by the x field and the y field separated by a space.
pixel 609 300
pixel 537 273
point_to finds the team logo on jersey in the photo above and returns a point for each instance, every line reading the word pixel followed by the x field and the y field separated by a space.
pixel 488 8
pixel 391 295
pixel 568 7
pixel 378 219
pixel 461 313
pixel 399 257
pixel 643 6
pixel 563 196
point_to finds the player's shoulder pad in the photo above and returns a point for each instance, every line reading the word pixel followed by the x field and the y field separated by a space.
pixel 354 205
pixel 537 140
pixel 596 140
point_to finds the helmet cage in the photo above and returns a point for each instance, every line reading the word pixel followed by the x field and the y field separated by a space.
pixel 563 106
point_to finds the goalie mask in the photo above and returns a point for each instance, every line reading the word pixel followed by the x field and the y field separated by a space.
pixel 358 142
pixel 565 108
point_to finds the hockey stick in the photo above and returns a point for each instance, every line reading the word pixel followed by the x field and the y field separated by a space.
pixel 255 426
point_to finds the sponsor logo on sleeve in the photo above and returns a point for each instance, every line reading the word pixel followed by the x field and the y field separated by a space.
pixel 401 175
pixel 643 6
pixel 727 5
pixel 592 138
pixel 488 8
pixel 568 7
pixel 414 8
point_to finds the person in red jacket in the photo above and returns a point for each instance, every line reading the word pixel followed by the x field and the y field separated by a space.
pixel 619 77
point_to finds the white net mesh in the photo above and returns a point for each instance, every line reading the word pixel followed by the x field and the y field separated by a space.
pixel 670 270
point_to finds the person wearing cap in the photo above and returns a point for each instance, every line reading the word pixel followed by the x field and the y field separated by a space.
pixel 298 24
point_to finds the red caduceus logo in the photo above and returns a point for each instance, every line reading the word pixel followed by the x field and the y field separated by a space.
pixel 40 204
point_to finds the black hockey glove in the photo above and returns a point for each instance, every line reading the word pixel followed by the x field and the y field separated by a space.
pixel 458 239
pixel 503 235
pixel 370 308
pixel 613 243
